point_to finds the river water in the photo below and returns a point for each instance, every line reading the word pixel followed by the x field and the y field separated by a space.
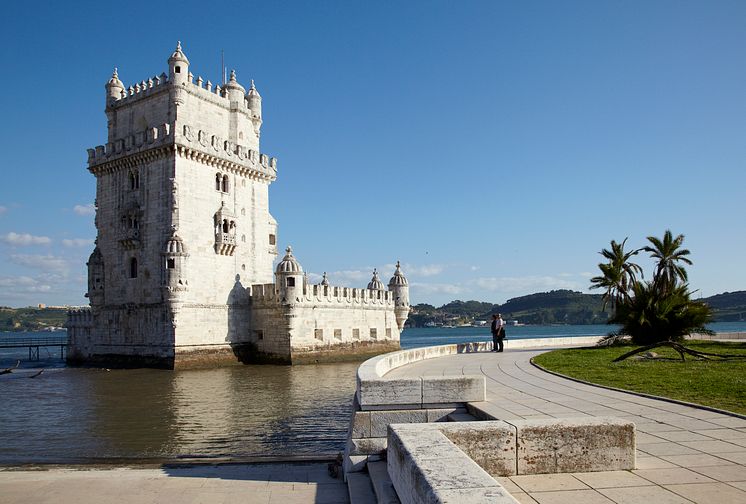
pixel 68 415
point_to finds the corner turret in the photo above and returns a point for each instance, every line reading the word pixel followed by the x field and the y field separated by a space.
pixel 114 88
pixel 255 102
pixel 95 278
pixel 233 90
pixel 289 277
pixel 178 67
pixel 399 287
pixel 174 267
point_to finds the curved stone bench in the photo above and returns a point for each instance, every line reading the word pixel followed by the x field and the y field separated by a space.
pixel 375 391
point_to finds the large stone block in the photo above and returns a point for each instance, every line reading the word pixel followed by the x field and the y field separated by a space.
pixel 489 495
pixel 380 420
pixel 368 446
pixel 453 389
pixel 574 445
pixel 423 464
pixel 492 445
pixel 360 424
pixel 389 392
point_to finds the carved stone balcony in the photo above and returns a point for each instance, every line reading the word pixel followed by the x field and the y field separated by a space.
pixel 225 243
pixel 130 238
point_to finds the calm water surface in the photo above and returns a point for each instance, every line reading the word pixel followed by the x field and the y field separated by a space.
pixel 74 414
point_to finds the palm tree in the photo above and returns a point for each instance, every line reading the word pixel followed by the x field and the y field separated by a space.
pixel 619 275
pixel 669 254
pixel 652 315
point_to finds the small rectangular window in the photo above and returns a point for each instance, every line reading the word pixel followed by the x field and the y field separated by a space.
pixel 356 334
pixel 373 333
pixel 171 263
pixel 338 334
pixel 318 334
pixel 291 282
pixel 388 332
pixel 272 239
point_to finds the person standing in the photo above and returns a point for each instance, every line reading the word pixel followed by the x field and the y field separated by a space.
pixel 500 329
pixel 495 329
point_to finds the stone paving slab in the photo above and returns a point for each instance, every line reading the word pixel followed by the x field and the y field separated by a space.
pixel 685 455
pixel 218 484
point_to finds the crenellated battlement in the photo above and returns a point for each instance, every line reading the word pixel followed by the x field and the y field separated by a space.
pixel 130 144
pixel 194 143
pixel 79 317
pixel 141 89
pixel 325 295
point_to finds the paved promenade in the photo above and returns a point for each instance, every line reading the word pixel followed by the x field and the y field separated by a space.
pixel 220 484
pixel 684 454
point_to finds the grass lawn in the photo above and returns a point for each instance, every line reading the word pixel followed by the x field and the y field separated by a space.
pixel 718 384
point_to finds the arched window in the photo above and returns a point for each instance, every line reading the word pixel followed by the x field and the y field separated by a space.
pixel 134 180
pixel 225 226
pixel 217 181
pixel 291 282
pixel 133 267
pixel 225 184
pixel 170 263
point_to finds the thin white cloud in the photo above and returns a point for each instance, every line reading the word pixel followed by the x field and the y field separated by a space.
pixel 3 209
pixel 24 284
pixel 426 270
pixel 525 285
pixel 77 242
pixel 435 288
pixel 41 262
pixel 24 239
pixel 88 209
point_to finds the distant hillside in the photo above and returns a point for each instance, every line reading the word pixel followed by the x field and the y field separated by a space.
pixel 728 306
pixel 31 319
pixel 554 307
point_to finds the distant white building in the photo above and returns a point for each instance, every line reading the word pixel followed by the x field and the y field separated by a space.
pixel 182 270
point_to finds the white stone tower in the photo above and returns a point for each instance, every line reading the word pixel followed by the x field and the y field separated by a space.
pixel 182 219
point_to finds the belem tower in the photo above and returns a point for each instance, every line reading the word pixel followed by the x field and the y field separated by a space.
pixel 182 271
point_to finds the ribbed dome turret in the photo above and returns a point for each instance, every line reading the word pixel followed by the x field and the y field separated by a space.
pixel 95 258
pixel 254 100
pixel 398 278
pixel 375 283
pixel 178 55
pixel 289 265
pixel 114 81
pixel 175 246
pixel 233 83
pixel 325 280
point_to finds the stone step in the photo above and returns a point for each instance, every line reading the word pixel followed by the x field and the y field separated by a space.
pixel 379 476
pixel 461 417
pixel 360 488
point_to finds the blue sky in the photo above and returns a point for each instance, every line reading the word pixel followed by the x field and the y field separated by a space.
pixel 493 147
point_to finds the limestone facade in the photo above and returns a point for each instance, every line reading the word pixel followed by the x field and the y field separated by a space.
pixel 182 272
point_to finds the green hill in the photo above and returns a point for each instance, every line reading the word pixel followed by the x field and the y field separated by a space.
pixel 728 306
pixel 31 319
